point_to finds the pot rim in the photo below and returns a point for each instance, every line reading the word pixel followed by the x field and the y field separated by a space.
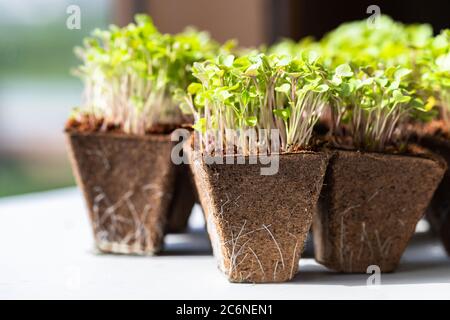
pixel 419 152
pixel 117 135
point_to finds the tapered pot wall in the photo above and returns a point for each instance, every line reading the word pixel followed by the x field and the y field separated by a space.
pixel 369 208
pixel 258 223
pixel 128 183
pixel 438 212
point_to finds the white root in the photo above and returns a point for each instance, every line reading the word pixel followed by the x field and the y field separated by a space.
pixel 275 270
pixel 276 244
pixel 109 227
pixel 368 239
pixel 259 262
pixel 234 255
pixel 294 262
pixel 223 205
pixel 373 196
pixel 250 232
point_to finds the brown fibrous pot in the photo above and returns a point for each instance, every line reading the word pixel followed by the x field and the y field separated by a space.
pixel 127 182
pixel 438 213
pixel 369 207
pixel 257 223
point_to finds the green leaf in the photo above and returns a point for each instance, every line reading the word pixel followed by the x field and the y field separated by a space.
pixel 252 71
pixel 245 97
pixel 251 121
pixel 282 113
pixel 322 88
pixel 200 125
pixel 401 73
pixel 313 56
pixel 194 88
pixel 228 60
pixel 399 97
pixel 285 88
pixel 343 70
pixel 431 102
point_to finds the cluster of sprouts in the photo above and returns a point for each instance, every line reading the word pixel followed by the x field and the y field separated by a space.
pixel 246 99
pixel 364 80
pixel 131 73
pixel 435 72
pixel 371 106
pixel 383 76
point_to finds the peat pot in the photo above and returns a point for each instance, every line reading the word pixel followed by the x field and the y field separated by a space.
pixel 438 212
pixel 128 183
pixel 258 223
pixel 369 207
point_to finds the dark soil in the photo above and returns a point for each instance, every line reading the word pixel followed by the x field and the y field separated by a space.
pixel 88 123
pixel 369 208
pixel 258 224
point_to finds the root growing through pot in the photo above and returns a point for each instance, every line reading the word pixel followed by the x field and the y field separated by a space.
pixel 120 228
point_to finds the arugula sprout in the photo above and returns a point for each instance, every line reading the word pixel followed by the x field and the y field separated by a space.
pixel 383 75
pixel 388 43
pixel 131 73
pixel 260 92
pixel 435 73
pixel 371 105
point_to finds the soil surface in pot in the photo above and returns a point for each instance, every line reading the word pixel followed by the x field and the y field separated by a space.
pixel 128 183
pixel 369 207
pixel 257 223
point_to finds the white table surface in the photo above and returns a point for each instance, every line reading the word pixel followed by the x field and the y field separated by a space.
pixel 46 252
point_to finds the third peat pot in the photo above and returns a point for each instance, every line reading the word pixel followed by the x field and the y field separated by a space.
pixel 438 212
pixel 369 208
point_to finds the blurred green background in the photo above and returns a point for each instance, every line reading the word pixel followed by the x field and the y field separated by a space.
pixel 37 90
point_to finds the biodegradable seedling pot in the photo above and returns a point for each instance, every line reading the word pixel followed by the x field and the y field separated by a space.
pixel 184 198
pixel 128 183
pixel 438 213
pixel 258 223
pixel 369 208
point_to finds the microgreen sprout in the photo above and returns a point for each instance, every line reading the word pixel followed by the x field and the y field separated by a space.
pixel 390 43
pixel 131 73
pixel 383 76
pixel 258 92
pixel 435 62
pixel 371 105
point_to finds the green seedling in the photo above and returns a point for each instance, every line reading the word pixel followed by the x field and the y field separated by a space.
pixel 258 92
pixel 131 73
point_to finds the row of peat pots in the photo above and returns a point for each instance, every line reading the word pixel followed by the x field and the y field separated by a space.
pixel 361 207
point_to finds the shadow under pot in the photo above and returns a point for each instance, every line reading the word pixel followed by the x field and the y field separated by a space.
pixel 127 182
pixel 438 213
pixel 369 207
pixel 258 223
